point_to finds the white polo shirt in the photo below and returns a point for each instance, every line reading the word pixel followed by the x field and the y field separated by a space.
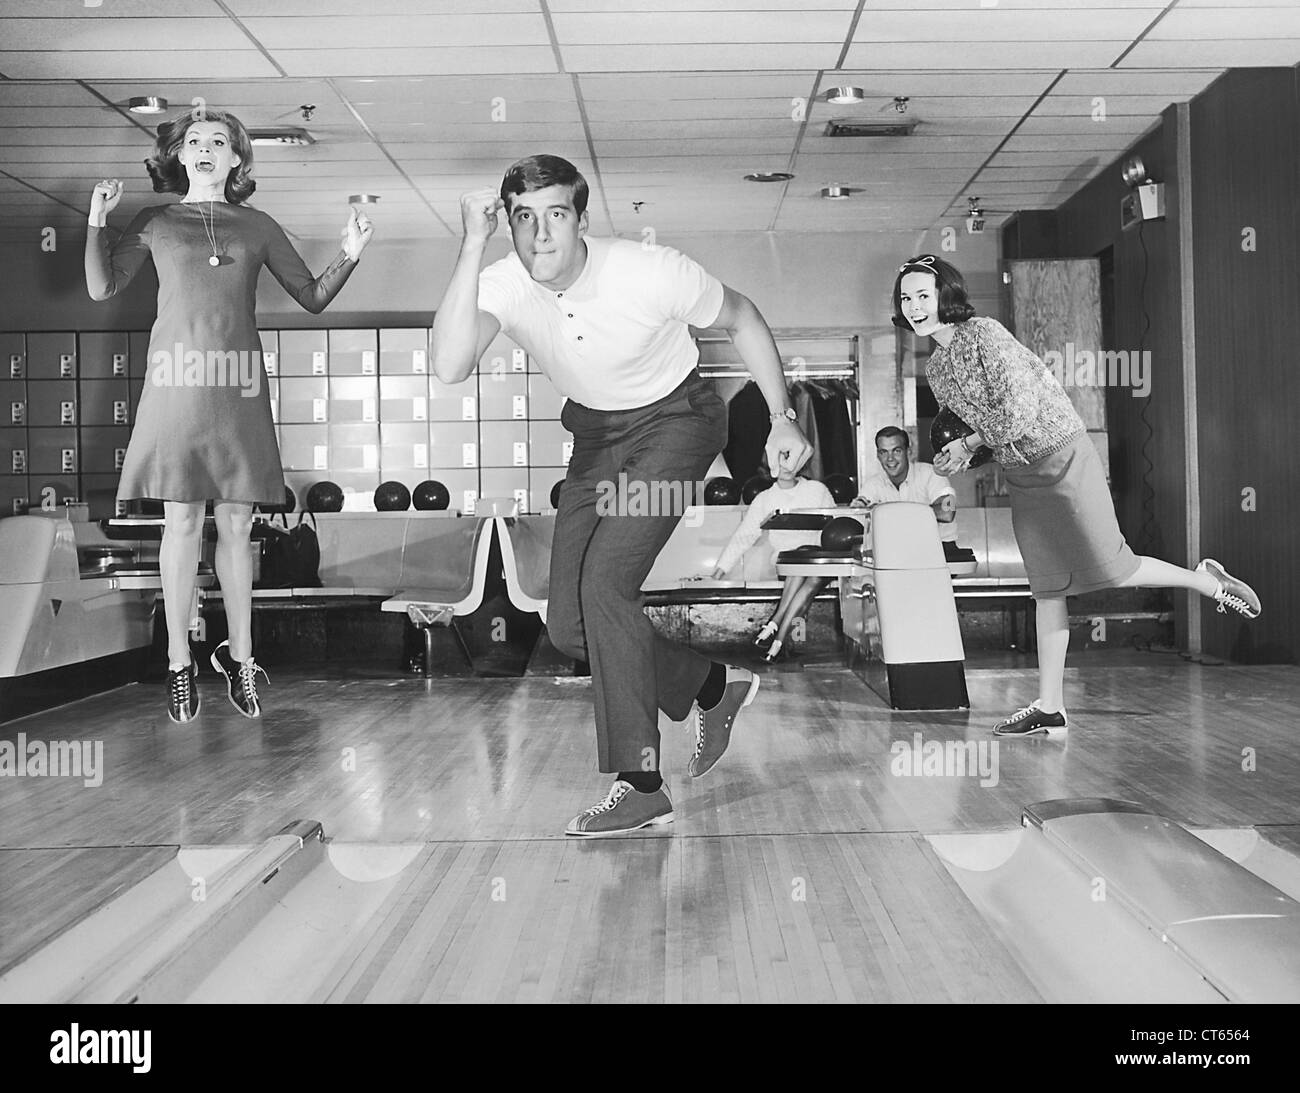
pixel 617 338
pixel 921 485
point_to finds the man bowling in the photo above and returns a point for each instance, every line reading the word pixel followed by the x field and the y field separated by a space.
pixel 606 320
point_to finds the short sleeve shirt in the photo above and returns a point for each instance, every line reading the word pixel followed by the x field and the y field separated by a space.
pixel 921 485
pixel 618 337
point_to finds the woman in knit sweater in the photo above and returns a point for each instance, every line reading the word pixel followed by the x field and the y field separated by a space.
pixel 1061 508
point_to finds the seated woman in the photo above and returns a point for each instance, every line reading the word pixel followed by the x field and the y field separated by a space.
pixel 788 494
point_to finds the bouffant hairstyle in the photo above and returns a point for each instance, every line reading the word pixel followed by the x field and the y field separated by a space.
pixel 954 305
pixel 538 172
pixel 169 174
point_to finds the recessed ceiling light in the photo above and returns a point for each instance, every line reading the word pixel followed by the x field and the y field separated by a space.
pixel 146 104
pixel 363 199
pixel 836 193
pixel 845 94
pixel 280 136
pixel 769 176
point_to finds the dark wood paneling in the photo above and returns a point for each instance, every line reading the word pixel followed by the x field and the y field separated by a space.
pixel 1148 455
pixel 1246 175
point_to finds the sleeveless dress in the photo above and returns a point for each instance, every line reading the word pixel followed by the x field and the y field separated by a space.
pixel 203 429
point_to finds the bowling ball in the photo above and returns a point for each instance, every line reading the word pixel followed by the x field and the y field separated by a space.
pixel 392 497
pixel 325 497
pixel 555 494
pixel 432 496
pixel 721 491
pixel 843 535
pixel 290 503
pixel 753 487
pixel 842 487
pixel 948 427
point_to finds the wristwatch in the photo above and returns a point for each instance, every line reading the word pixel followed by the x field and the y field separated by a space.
pixel 786 414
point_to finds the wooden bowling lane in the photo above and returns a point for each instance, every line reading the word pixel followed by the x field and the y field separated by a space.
pixel 409 760
pixel 798 870
pixel 769 918
pixel 44 892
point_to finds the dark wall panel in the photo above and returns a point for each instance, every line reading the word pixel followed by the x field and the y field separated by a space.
pixel 1245 179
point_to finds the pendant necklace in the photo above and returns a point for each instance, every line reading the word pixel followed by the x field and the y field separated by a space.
pixel 211 233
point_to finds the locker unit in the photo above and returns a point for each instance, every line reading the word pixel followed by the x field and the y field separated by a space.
pixel 13 494
pixel 104 402
pixel 51 403
pixel 304 353
pixel 304 447
pixel 354 399
pixel 452 401
pixel 354 448
pixel 453 445
pixel 304 400
pixel 353 352
pixel 404 352
pixel 503 396
pixel 503 444
pixel 403 398
pixel 103 356
pixel 403 449
pixel 13 450
pixel 13 357
pixel 52 356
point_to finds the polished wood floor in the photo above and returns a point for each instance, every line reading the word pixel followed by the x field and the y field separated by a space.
pixel 799 870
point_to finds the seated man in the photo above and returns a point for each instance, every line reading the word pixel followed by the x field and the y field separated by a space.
pixel 900 479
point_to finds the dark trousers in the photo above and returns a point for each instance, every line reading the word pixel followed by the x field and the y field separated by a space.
pixel 623 462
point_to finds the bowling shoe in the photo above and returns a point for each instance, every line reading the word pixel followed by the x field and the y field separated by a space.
pixel 241 679
pixel 1232 593
pixel 713 727
pixel 183 693
pixel 1031 721
pixel 622 810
